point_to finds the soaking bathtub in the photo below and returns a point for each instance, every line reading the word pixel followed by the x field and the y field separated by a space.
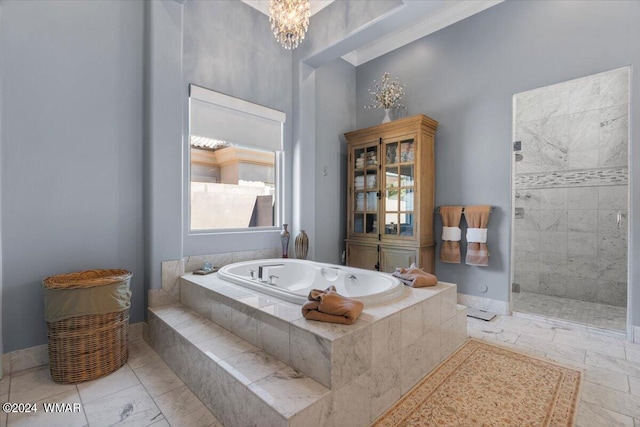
pixel 292 279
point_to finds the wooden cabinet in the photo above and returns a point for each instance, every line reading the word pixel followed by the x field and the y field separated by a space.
pixel 390 195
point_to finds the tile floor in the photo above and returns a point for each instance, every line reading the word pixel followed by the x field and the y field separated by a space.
pixel 145 392
pixel 588 313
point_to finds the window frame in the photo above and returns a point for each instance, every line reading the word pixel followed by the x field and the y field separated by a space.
pixel 239 105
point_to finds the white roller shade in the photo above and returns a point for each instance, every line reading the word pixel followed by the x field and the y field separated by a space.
pixel 222 117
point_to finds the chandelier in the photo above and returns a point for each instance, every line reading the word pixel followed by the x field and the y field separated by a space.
pixel 289 21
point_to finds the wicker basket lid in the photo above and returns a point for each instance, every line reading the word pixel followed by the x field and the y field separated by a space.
pixel 86 279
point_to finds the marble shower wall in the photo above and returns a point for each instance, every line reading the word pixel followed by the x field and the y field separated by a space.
pixel 571 183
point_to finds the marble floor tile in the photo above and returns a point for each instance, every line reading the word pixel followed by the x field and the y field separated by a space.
pixel 634 385
pixel 129 407
pixel 612 400
pixel 590 415
pixel 564 351
pixel 612 363
pixel 182 408
pixel 515 347
pixel 158 378
pixel 586 344
pixel 161 423
pixel 4 385
pixel 52 419
pixel 610 397
pixel 35 384
pixel 632 353
pixel 116 381
pixel 606 378
pixel 141 354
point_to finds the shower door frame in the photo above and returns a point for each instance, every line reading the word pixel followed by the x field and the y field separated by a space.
pixel 629 327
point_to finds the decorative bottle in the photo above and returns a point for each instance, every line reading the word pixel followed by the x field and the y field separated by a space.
pixel 302 245
pixel 284 238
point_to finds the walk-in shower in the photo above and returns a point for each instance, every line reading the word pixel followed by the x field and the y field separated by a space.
pixel 570 186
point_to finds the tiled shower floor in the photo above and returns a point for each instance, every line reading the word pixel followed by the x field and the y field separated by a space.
pixel 588 313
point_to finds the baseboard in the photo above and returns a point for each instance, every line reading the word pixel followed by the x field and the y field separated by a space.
pixel 32 357
pixel 486 304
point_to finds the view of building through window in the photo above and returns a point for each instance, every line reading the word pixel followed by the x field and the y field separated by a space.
pixel 232 186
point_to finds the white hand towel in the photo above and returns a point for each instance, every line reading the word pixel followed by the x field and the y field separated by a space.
pixel 452 234
pixel 477 235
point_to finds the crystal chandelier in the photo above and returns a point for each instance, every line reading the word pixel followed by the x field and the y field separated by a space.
pixel 289 21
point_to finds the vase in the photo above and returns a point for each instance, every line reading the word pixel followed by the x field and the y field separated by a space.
pixel 302 245
pixel 386 118
pixel 284 239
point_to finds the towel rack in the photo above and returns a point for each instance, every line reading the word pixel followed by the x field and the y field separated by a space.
pixel 438 209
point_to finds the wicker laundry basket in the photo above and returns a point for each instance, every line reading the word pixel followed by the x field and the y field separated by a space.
pixel 87 317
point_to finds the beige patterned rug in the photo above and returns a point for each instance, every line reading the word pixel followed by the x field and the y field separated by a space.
pixel 484 385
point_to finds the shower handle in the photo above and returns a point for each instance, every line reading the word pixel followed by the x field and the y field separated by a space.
pixel 619 219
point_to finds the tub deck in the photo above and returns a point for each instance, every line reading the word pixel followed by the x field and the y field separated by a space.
pixel 251 357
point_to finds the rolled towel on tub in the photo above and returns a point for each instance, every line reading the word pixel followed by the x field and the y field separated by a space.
pixel 415 277
pixel 477 218
pixel 329 306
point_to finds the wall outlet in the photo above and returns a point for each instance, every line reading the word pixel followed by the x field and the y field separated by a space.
pixel 515 287
pixel 482 287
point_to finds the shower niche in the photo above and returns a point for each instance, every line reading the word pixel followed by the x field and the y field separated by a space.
pixel 570 193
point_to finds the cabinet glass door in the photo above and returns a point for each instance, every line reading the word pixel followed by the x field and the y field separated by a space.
pixel 399 218
pixel 365 190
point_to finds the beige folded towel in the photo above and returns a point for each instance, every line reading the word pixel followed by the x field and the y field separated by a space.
pixel 329 306
pixel 415 277
pixel 450 251
pixel 477 220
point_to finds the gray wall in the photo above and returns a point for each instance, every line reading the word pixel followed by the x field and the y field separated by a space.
pixel 199 42
pixel 464 77
pixel 247 64
pixel 71 151
pixel 335 115
pixel 1 127
pixel 163 136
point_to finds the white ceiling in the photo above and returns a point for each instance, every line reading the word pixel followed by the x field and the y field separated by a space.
pixel 436 15
pixel 263 5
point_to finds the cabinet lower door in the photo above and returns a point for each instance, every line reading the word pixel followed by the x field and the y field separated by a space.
pixel 362 256
pixel 392 258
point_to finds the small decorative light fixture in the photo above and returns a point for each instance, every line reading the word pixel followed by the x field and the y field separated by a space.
pixel 289 21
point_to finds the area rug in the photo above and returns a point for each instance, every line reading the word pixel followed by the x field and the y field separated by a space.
pixel 485 385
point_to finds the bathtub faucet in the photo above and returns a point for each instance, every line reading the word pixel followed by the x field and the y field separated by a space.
pixel 263 271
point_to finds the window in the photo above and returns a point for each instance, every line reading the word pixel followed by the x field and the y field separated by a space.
pixel 235 163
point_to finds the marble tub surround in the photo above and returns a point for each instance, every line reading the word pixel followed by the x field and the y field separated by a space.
pixel 171 271
pixel 292 371
pixel 239 382
pixel 332 354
